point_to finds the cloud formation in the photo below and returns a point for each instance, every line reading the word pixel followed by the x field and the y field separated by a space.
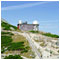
pixel 23 6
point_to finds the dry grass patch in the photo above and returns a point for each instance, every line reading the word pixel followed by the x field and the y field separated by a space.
pixel 12 52
pixel 43 44
pixel 39 40
pixel 20 38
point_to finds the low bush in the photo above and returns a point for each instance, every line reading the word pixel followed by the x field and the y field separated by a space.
pixel 5 40
pixel 2 51
pixel 16 46
pixel 13 57
pixel 7 26
pixel 25 50
pixel 34 31
pixel 7 33
pixel 50 35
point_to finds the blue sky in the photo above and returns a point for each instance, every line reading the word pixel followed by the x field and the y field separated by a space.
pixel 45 12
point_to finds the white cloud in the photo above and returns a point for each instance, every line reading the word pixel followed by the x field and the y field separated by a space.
pixel 23 6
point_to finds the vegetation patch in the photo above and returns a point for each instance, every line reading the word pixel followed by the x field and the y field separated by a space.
pixel 34 31
pixel 5 33
pixel 13 57
pixel 42 44
pixel 26 51
pixel 6 40
pixel 20 38
pixel 14 42
pixel 7 26
pixel 50 35
pixel 28 54
pixel 16 46
pixel 3 50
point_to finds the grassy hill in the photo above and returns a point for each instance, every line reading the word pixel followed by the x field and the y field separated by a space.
pixel 7 26
pixel 45 34
pixel 11 42
pixel 14 43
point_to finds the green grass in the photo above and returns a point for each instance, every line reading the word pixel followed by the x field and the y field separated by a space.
pixel 25 50
pixel 3 50
pixel 34 31
pixel 46 34
pixel 5 40
pixel 13 57
pixel 15 43
pixel 50 35
pixel 16 46
pixel 7 26
pixel 4 33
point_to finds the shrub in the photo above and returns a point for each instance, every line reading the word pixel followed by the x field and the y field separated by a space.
pixel 50 35
pixel 51 52
pixel 2 51
pixel 7 33
pixel 7 26
pixel 6 40
pixel 13 57
pixel 27 47
pixel 16 46
pixel 25 50
pixel 34 31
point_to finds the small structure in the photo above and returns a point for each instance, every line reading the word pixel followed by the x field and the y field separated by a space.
pixel 27 27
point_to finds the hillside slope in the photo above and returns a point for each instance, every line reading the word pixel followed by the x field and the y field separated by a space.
pixel 6 26
pixel 27 45
pixel 13 43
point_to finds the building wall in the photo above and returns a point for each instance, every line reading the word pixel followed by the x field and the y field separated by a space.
pixel 28 27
